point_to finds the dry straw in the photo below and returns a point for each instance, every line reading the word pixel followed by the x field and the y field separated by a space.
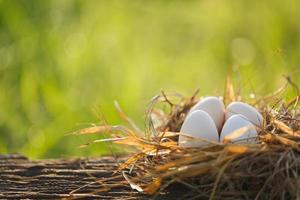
pixel 268 169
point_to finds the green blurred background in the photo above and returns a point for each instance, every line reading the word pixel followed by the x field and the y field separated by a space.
pixel 64 62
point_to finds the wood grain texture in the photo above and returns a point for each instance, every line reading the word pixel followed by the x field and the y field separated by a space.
pixel 21 178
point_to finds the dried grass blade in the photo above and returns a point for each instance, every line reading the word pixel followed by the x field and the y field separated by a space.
pixel 102 129
pixel 282 126
pixel 276 94
pixel 153 186
pixel 127 119
pixel 220 173
pixel 170 144
pixel 168 134
pixel 129 161
pixel 93 130
pixel 282 140
pixel 136 142
pixel 109 140
pixel 192 138
pixel 293 102
pixel 201 157
pixel 202 168
pixel 229 95
pixel 132 184
pixel 235 134
pixel 237 149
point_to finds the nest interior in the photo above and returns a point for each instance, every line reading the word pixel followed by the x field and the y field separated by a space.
pixel 268 169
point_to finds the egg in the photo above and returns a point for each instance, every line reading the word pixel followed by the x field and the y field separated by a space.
pixel 214 107
pixel 246 110
pixel 198 124
pixel 236 122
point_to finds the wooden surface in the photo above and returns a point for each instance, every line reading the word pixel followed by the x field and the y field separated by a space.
pixel 21 178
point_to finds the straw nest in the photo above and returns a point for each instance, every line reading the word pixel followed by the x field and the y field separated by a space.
pixel 268 169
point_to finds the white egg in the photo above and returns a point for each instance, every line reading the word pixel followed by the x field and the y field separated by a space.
pixel 214 107
pixel 236 122
pixel 198 124
pixel 246 110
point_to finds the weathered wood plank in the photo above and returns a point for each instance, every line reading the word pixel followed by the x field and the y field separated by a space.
pixel 21 178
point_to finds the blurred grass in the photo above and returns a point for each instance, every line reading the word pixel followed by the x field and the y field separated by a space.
pixel 63 62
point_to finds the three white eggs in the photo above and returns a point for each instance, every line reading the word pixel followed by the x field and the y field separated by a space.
pixel 209 120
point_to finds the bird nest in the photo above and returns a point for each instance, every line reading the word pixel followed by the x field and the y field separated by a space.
pixel 268 169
